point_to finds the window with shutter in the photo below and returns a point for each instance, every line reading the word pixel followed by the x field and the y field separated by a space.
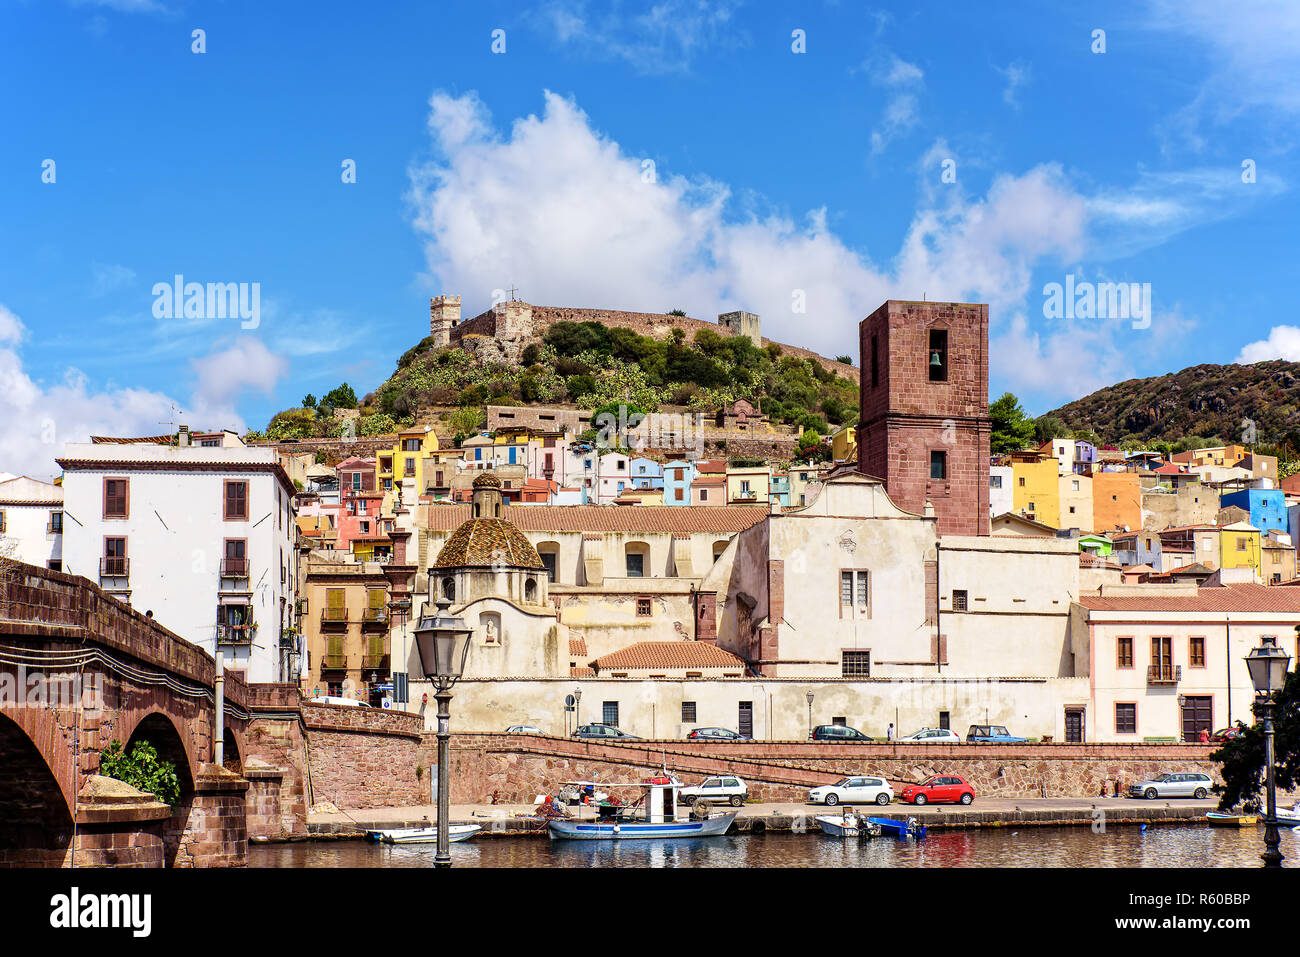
pixel 335 605
pixel 115 498
pixel 236 501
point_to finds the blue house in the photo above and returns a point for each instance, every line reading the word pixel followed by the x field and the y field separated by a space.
pixel 677 478
pixel 1267 507
pixel 778 489
pixel 646 473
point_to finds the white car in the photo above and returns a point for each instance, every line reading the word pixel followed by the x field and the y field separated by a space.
pixel 723 788
pixel 932 736
pixel 523 729
pixel 863 790
pixel 336 700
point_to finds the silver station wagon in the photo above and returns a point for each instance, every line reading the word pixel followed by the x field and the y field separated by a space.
pixel 1178 784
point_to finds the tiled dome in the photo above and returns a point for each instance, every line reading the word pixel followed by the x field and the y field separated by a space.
pixel 487 480
pixel 488 542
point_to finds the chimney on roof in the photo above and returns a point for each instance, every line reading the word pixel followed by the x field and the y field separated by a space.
pixel 183 437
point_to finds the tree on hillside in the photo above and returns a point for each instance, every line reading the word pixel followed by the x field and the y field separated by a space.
pixel 1242 758
pixel 677 312
pixel 1048 427
pixel 1013 429
pixel 309 401
pixel 341 398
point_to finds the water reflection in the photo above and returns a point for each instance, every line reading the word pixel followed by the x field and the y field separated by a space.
pixel 1002 847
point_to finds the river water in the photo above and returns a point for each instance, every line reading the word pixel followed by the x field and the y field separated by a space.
pixel 1169 846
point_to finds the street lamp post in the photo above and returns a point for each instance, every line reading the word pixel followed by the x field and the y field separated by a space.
pixel 577 707
pixel 443 644
pixel 1268 667
pixel 810 701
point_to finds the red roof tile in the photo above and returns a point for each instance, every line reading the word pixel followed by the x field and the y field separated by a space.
pixel 1237 597
pixel 668 654
pixel 577 646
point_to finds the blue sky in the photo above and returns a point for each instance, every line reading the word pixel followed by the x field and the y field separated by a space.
pixel 631 157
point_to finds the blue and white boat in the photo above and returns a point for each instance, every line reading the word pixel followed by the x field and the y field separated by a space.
pixel 423 835
pixel 654 815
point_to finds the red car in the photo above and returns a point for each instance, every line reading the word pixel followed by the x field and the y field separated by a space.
pixel 939 788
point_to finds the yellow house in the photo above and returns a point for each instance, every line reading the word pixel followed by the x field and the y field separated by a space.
pixel 1239 546
pixel 1076 501
pixel 1035 489
pixel 1226 455
pixel 844 444
pixel 749 485
pixel 402 466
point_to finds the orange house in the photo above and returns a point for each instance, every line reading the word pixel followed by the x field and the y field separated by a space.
pixel 1116 501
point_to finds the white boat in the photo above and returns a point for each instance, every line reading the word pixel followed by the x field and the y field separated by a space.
pixel 1289 817
pixel 654 815
pixel 423 835
pixel 847 825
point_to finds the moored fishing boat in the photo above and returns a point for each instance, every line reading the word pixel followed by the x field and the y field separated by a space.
pixel 1223 819
pixel 846 825
pixel 653 815
pixel 423 835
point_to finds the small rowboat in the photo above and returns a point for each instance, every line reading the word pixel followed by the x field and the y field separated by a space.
pixel 1220 819
pixel 423 835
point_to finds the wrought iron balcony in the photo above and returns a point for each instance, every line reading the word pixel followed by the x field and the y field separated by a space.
pixel 334 663
pixel 114 567
pixel 234 568
pixel 334 618
pixel 375 662
pixel 1164 674
pixel 374 618
pixel 234 634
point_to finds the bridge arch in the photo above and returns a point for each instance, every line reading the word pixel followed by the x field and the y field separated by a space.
pixel 35 818
pixel 159 730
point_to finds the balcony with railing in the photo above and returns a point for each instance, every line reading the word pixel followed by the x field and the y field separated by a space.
pixel 53 527
pixel 333 663
pixel 234 634
pixel 114 567
pixel 234 568
pixel 334 617
pixel 373 618
pixel 1164 674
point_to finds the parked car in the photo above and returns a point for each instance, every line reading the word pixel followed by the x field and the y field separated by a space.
pixel 605 731
pixel 1174 784
pixel 865 790
pixel 938 789
pixel 523 729
pixel 991 734
pixel 724 788
pixel 335 699
pixel 839 733
pixel 933 736
pixel 1227 734
pixel 715 734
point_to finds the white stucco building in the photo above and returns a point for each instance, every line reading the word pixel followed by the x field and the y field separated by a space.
pixel 202 537
pixel 31 522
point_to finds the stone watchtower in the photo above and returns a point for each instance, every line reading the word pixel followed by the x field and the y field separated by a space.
pixel 742 324
pixel 444 315
pixel 924 426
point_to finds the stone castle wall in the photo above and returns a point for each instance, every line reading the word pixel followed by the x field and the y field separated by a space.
pixel 500 335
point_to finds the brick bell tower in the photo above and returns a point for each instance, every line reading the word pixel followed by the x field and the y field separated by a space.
pixel 924 426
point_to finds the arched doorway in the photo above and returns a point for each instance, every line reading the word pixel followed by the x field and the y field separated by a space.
pixel 35 824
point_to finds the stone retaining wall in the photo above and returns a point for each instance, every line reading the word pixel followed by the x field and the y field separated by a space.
pixel 364 757
pixel 516 768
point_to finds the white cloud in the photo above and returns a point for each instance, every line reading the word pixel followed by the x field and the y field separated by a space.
pixel 1017 74
pixel 39 418
pixel 664 38
pixel 1283 342
pixel 902 110
pixel 1250 47
pixel 565 214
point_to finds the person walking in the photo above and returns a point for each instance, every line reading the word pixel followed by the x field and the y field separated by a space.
pixel 889 732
